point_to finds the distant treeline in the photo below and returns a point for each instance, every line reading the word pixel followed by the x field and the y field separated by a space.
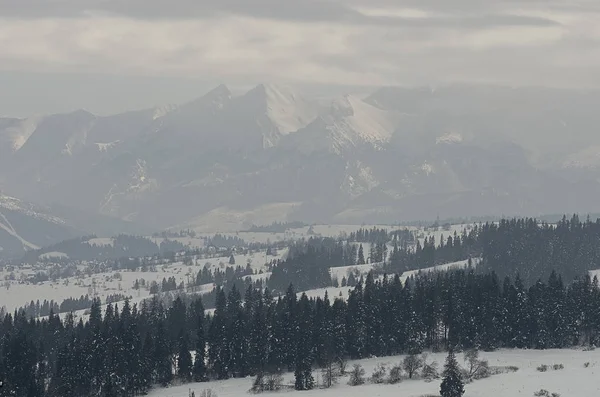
pixel 277 227
pixel 123 246
pixel 37 309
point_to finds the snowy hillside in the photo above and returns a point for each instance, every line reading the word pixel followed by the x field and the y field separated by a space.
pixel 15 291
pixel 348 123
pixel 577 379
pixel 25 226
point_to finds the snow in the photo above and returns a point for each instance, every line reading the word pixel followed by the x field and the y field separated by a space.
pixel 54 254
pixel 449 138
pixel 286 110
pixel 332 293
pixel 16 205
pixel 20 292
pixel 439 268
pixel 344 271
pixel 19 133
pixel 349 122
pixel 573 381
pixel 101 242
pixel 8 228
pixel 366 121
pixel 103 147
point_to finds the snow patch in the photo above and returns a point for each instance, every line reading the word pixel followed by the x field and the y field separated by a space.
pixel 103 147
pixel 449 138
pixel 53 255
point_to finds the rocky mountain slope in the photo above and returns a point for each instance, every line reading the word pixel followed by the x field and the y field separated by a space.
pixel 24 227
pixel 273 155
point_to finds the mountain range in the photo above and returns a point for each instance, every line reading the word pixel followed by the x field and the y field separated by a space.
pixel 223 162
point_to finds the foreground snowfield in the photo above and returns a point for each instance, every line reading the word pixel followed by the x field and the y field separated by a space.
pixel 575 380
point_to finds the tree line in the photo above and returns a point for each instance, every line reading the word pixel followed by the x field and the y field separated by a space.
pixel 127 351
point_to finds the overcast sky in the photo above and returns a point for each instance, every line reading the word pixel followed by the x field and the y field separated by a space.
pixel 112 55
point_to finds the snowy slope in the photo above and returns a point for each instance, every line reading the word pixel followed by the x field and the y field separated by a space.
pixel 107 283
pixel 25 226
pixel 268 112
pixel 586 158
pixel 348 123
pixel 14 133
pixel 575 380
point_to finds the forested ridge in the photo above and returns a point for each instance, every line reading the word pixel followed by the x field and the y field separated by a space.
pixel 127 351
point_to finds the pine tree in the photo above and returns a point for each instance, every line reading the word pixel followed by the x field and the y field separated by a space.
pixel 452 384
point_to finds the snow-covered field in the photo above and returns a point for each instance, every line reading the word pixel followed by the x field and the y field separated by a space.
pixel 575 380
pixel 16 293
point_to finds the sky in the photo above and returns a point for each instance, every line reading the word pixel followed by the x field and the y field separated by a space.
pixel 108 56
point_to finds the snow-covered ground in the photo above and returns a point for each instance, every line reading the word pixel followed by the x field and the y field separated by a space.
pixel 16 293
pixel 440 268
pixel 575 380
pixel 344 271
pixel 440 232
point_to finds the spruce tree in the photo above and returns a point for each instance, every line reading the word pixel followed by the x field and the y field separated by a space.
pixel 361 256
pixel 304 355
pixel 184 359
pixel 199 369
pixel 452 384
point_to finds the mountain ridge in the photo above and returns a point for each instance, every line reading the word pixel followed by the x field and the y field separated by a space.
pixel 399 152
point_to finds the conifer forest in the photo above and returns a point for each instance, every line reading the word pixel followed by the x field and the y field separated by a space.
pixel 531 290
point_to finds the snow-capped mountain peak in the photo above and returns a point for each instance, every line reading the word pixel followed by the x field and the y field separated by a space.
pixel 18 132
pixel 357 119
pixel 283 108
pixel 347 124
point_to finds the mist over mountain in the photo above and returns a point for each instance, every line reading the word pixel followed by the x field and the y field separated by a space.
pixel 223 162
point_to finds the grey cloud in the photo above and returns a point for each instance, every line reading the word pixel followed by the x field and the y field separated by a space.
pixel 287 10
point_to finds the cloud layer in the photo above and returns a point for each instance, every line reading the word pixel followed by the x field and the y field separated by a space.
pixel 345 42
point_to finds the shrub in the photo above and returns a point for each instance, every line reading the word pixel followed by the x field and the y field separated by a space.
pixel 412 363
pixel 267 382
pixel 542 368
pixel 379 373
pixel 357 375
pixel 330 375
pixel 430 371
pixel 273 382
pixel 545 393
pixel 503 370
pixel 586 365
pixel 557 367
pixel 476 368
pixel 395 374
